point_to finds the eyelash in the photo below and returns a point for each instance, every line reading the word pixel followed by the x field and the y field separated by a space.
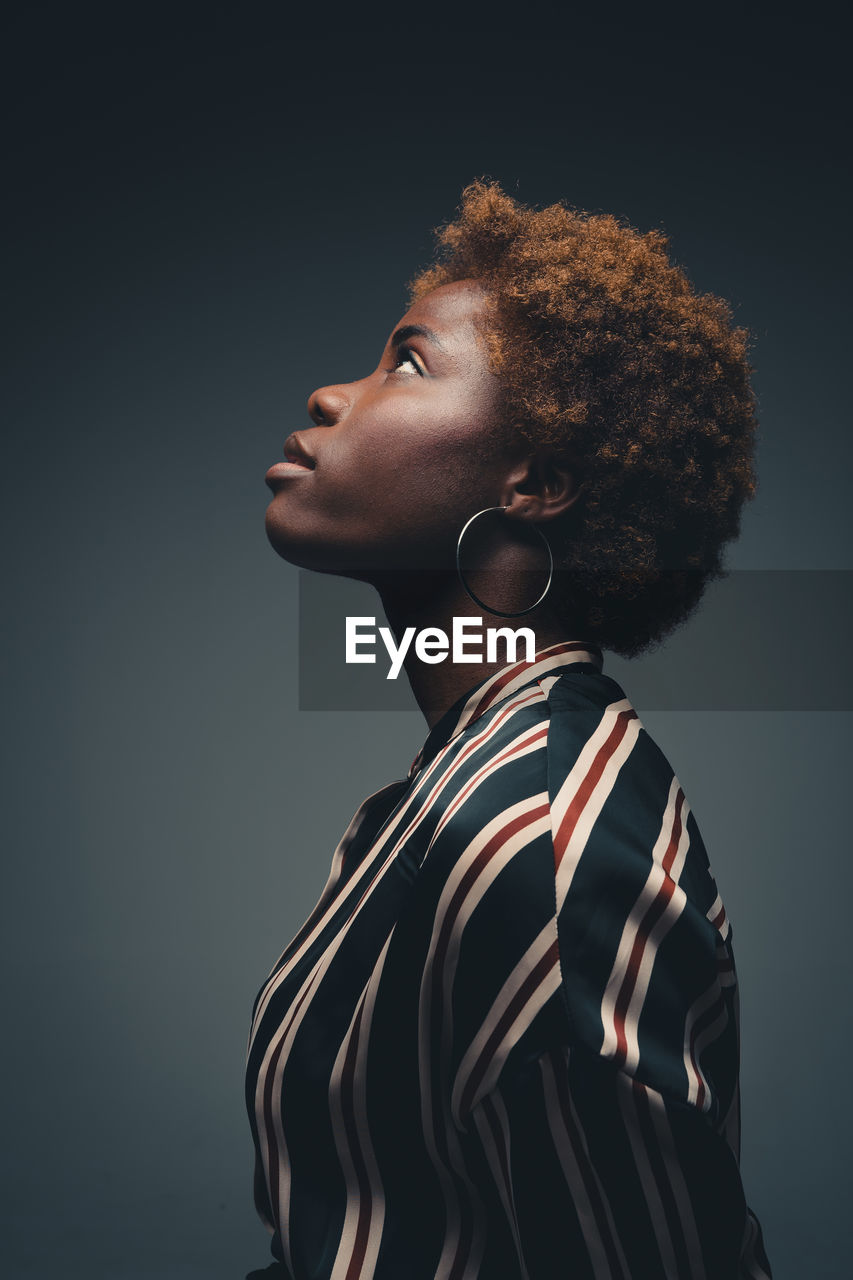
pixel 404 355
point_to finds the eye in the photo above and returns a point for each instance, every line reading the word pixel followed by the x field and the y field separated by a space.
pixel 405 356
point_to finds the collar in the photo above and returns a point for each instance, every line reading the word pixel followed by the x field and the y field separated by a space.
pixel 550 661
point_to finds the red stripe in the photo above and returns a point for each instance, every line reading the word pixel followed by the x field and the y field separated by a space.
pixel 473 746
pixel 491 693
pixel 497 841
pixel 426 806
pixel 533 980
pixel 655 910
pixel 576 808
pixel 485 855
pixel 324 903
pixel 514 748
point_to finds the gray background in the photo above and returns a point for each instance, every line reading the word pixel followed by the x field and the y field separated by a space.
pixel 210 215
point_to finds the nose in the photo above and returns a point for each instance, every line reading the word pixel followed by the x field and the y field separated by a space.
pixel 327 405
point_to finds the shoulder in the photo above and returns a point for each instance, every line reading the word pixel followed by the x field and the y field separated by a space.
pixel 646 965
pixel 618 809
pixel 554 806
pixel 573 897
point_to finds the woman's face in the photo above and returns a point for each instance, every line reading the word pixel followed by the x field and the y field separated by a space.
pixel 399 460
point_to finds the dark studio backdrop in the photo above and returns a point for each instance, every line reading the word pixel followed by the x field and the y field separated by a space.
pixel 210 212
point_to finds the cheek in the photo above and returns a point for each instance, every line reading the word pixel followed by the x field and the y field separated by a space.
pixel 420 465
pixel 449 440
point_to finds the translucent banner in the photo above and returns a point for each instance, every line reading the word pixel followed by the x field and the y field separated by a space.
pixel 760 640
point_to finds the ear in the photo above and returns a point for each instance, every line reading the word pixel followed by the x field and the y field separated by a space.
pixel 542 485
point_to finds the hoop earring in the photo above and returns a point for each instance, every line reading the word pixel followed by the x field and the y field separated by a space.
pixel 501 613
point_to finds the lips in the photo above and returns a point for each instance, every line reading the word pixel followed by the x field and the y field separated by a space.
pixel 295 451
pixel 299 463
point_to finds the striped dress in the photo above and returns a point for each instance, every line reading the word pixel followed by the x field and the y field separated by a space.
pixel 505 1042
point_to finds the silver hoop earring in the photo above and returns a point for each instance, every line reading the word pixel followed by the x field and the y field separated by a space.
pixel 501 613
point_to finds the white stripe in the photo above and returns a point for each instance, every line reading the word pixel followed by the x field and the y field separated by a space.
pixel 750 1268
pixel 595 802
pixel 570 1162
pixel 347 1243
pixel 527 743
pixel 493 1159
pixel 314 978
pixel 350 834
pixel 669 1155
pixel 500 858
pixel 426 1049
pixel 549 983
pixel 288 1032
pixel 283 1162
pixel 422 804
pixel 645 1173
pixel 278 975
pixel 334 876
pixel 619 975
pixel 364 879
pixel 526 674
pixel 713 911
pixel 546 684
pixel 695 1074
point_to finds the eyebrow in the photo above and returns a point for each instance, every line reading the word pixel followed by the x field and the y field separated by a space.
pixel 407 331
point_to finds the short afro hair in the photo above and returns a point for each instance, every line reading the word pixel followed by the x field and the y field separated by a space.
pixel 608 355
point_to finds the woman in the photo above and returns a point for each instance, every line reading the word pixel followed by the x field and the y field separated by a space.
pixel 505 1043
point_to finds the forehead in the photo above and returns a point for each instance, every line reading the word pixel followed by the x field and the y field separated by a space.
pixel 451 311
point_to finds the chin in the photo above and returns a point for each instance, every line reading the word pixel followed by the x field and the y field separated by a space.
pixel 285 543
pixel 301 551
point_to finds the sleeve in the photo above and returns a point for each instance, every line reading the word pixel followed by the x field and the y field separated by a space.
pixel 592 1173
pixel 607 1144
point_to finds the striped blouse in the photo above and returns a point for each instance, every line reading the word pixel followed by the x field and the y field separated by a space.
pixel 505 1042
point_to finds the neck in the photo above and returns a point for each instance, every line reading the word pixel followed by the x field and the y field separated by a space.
pixel 434 600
